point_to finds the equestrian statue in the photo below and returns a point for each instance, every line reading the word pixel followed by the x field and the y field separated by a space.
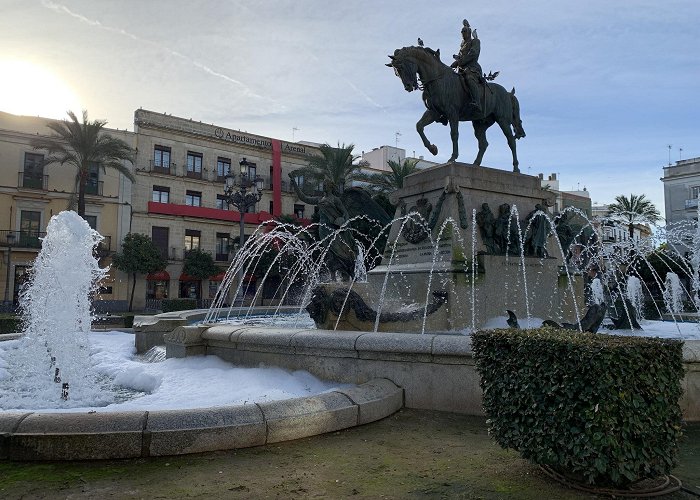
pixel 460 92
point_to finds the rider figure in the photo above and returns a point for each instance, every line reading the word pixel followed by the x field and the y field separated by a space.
pixel 467 63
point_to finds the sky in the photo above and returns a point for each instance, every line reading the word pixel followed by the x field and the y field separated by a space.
pixel 604 87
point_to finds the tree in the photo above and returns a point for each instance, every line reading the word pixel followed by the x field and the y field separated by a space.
pixel 388 182
pixel 200 265
pixel 84 146
pixel 634 210
pixel 334 167
pixel 139 256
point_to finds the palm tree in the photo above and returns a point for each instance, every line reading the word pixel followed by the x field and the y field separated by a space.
pixel 634 210
pixel 334 168
pixel 84 146
pixel 388 182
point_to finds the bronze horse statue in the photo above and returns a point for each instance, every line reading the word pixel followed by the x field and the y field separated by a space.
pixel 448 101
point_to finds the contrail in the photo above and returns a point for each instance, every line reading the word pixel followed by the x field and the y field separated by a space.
pixel 350 84
pixel 62 9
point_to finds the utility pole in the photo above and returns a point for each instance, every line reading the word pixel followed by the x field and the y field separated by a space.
pixel 294 129
pixel 669 154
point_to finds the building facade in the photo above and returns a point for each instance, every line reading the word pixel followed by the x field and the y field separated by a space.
pixel 178 197
pixel 681 191
pixel 31 193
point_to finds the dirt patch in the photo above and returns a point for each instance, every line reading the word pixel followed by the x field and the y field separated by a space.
pixel 412 454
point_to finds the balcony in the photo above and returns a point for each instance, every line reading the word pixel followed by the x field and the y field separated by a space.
pixel 21 239
pixel 94 188
pixel 158 167
pixel 691 204
pixel 29 180
pixel 193 175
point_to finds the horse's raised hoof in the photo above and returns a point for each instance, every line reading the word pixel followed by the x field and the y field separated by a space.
pixel 433 149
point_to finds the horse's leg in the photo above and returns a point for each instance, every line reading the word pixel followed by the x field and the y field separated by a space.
pixel 508 132
pixel 480 127
pixel 454 135
pixel 427 118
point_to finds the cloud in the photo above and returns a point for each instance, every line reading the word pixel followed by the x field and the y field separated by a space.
pixel 247 92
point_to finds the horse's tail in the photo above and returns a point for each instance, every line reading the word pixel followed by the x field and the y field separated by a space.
pixel 517 122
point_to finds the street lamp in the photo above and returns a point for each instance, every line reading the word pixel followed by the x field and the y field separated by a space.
pixel 245 194
pixel 10 237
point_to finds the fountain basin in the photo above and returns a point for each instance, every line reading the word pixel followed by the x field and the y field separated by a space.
pixel 435 371
pixel 89 436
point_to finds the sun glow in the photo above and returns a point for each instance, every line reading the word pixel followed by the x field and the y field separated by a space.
pixel 29 89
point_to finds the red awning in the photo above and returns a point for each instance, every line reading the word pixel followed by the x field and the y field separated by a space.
pixel 158 276
pixel 218 277
pixel 187 277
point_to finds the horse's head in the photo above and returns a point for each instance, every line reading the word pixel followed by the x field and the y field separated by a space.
pixel 405 68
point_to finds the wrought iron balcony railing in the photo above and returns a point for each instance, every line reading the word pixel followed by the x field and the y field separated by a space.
pixel 21 239
pixel 29 180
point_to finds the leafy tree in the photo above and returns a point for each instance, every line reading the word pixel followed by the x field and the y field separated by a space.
pixel 634 210
pixel 200 265
pixel 83 145
pixel 334 168
pixel 388 182
pixel 139 256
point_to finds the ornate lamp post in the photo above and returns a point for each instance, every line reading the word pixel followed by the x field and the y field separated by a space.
pixel 10 237
pixel 243 195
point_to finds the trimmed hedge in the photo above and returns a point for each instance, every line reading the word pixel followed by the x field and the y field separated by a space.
pixel 600 408
pixel 169 305
pixel 10 324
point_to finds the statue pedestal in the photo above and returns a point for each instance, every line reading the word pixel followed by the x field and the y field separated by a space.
pixel 435 246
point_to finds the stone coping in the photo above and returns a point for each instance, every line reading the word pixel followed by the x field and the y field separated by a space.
pixel 436 371
pixel 133 434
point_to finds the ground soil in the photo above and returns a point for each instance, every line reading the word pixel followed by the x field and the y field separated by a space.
pixel 412 454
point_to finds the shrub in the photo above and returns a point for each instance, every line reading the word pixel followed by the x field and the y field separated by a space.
pixel 128 320
pixel 169 305
pixel 600 407
pixel 10 324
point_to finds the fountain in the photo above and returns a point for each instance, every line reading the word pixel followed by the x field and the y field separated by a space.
pixel 448 268
pixel 66 393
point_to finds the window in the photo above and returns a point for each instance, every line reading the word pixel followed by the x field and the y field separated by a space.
pixel 161 159
pixel 157 289
pixel 193 198
pixel 161 194
pixel 252 171
pixel 30 223
pixel 33 175
pixel 223 167
pixel 222 202
pixel 299 210
pixel 694 192
pixel 194 165
pixel 222 245
pixel 192 239
pixel 159 235
pixel 91 220
pixel 92 184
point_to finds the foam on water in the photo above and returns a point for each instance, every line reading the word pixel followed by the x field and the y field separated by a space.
pixel 50 363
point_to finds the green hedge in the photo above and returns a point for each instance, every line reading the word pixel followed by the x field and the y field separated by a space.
pixel 602 408
pixel 169 305
pixel 10 324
